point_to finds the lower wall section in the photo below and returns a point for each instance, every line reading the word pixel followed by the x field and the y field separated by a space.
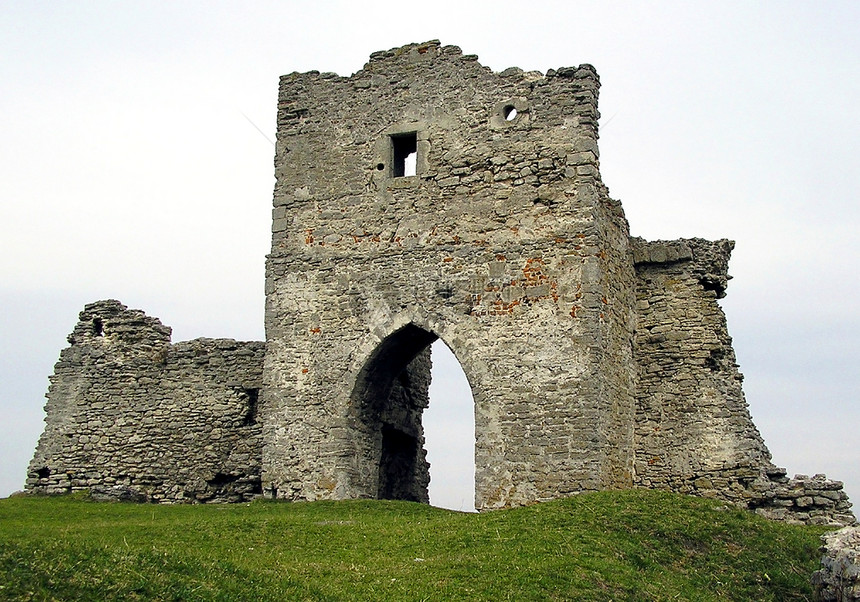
pixel 815 501
pixel 132 416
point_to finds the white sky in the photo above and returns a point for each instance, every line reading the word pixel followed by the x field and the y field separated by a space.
pixel 131 167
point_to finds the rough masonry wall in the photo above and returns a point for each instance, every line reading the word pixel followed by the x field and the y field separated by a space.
pixel 693 430
pixel 130 416
pixel 694 433
pixel 504 244
pixel 404 472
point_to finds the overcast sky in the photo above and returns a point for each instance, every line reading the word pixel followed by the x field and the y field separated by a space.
pixel 136 164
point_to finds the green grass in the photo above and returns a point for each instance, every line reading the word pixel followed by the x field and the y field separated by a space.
pixel 631 545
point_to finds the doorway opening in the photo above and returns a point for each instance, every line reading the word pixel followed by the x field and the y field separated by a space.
pixel 390 398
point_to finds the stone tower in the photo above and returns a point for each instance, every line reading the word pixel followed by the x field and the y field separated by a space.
pixel 500 239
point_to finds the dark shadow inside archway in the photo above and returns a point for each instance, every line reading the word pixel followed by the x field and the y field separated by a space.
pixel 389 399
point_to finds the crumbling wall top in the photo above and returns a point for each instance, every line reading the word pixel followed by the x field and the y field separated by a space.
pixel 110 320
pixel 710 259
pixel 416 53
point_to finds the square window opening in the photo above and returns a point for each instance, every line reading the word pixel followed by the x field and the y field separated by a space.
pixel 404 149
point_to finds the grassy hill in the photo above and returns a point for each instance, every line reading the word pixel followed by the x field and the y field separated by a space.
pixel 631 545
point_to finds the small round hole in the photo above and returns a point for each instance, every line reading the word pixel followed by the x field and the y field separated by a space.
pixel 380 166
pixel 510 113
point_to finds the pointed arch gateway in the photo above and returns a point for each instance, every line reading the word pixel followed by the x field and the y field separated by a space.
pixel 388 401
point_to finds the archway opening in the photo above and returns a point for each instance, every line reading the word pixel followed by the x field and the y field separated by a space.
pixel 391 426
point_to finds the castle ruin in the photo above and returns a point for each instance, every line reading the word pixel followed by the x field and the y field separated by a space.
pixel 426 197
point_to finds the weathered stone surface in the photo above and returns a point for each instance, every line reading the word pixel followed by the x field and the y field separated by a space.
pixel 426 197
pixel 525 273
pixel 803 500
pixel 838 580
pixel 132 417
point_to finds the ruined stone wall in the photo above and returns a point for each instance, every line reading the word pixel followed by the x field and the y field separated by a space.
pixel 694 433
pixel 504 244
pixel 404 472
pixel 693 430
pixel 130 416
pixel 814 500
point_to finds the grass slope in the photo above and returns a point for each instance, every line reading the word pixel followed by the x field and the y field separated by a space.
pixel 630 545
